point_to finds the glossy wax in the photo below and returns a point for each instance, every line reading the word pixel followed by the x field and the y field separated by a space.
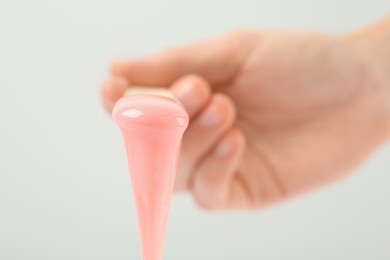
pixel 152 127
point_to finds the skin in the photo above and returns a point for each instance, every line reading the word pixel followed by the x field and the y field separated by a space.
pixel 273 113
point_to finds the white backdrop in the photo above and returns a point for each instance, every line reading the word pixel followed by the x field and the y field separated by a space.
pixel 64 188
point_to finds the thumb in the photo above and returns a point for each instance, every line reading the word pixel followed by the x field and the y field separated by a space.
pixel 217 60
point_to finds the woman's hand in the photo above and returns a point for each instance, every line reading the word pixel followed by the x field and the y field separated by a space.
pixel 273 114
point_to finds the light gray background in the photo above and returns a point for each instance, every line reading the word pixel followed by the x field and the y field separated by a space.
pixel 64 188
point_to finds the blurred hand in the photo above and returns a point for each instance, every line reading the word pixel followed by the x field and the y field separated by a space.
pixel 273 114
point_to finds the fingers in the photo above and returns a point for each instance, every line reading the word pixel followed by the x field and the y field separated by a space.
pixel 193 92
pixel 217 60
pixel 210 148
pixel 206 126
pixel 112 90
pixel 213 178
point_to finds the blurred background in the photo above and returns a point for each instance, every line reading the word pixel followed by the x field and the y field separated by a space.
pixel 64 186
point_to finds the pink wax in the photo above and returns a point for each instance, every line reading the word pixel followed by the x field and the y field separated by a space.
pixel 152 128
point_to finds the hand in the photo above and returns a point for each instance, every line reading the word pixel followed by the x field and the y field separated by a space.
pixel 273 114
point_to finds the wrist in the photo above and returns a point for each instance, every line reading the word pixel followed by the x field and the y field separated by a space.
pixel 372 46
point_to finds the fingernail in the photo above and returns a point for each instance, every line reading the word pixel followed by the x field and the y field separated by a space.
pixel 223 148
pixel 185 94
pixel 210 117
